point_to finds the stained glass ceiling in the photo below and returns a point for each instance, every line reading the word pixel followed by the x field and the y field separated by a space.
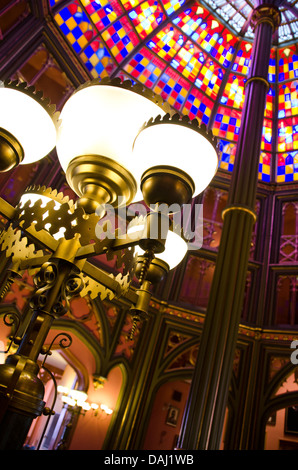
pixel 196 55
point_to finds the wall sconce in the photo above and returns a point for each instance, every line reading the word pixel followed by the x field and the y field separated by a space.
pixel 76 400
pixel 106 409
pixel 113 152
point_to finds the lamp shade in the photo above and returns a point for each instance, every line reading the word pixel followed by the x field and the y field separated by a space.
pixel 175 246
pixel 99 123
pixel 78 395
pixel 177 146
pixel 103 118
pixel 28 119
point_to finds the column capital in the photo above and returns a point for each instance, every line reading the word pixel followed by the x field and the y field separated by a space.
pixel 266 13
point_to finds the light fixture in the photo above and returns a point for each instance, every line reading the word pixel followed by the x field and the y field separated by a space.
pixel 99 123
pixel 110 148
pixel 106 409
pixel 175 245
pixel 62 389
pixel 28 125
pixel 77 402
pixel 78 395
pixel 175 159
pixel 44 195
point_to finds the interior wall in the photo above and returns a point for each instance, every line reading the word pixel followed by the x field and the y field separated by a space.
pixel 92 427
pixel 279 435
pixel 163 431
pixel 276 438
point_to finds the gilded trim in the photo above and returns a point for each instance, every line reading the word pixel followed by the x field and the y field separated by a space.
pixel 239 208
pixel 269 14
pixel 260 79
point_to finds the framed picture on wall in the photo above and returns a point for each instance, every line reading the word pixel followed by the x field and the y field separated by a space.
pixel 272 419
pixel 172 416
pixel 291 420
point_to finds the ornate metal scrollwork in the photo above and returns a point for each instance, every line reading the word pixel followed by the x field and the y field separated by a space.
pixel 44 280
pixel 16 246
pixel 71 287
pixel 10 319
pixel 61 215
pixel 65 342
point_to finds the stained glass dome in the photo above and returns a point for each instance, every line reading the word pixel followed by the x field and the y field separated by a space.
pixel 196 55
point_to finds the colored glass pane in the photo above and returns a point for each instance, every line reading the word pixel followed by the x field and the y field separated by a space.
pixel 167 42
pixel 272 68
pixel 172 88
pixel 190 19
pixel 212 38
pixel 227 153
pixel 146 17
pixel 227 123
pixel 172 5
pixel 267 135
pixel 189 61
pixel 209 78
pixel 145 67
pixel 185 59
pixel 288 100
pixel 198 106
pixel 270 100
pixel 102 13
pixel 288 134
pixel 242 59
pixel 120 38
pixel 97 59
pixel 225 48
pixel 233 94
pixel 287 167
pixel 130 4
pixel 75 25
pixel 265 167
pixel 288 64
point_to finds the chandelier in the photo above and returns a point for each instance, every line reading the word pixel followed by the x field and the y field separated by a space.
pixel 117 143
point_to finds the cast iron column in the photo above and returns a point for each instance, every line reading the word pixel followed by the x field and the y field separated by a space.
pixel 205 411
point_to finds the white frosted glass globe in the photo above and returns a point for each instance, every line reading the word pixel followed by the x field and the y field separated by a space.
pixel 28 122
pixel 103 120
pixel 175 246
pixel 69 401
pixel 78 395
pixel 177 146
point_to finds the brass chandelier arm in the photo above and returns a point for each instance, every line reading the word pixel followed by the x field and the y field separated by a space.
pixel 7 210
pixel 42 238
pixel 89 270
pixel 34 262
pixel 101 277
pixel 126 241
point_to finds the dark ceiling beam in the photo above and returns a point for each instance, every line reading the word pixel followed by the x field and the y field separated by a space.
pixel 19 45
